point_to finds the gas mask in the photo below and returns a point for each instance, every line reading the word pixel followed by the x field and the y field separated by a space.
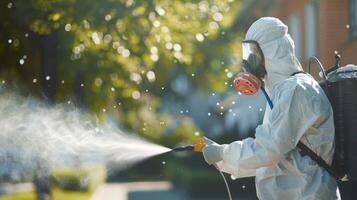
pixel 249 81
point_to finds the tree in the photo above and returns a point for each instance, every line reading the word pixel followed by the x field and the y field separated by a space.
pixel 117 56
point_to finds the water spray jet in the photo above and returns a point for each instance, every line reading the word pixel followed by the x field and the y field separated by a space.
pixel 34 133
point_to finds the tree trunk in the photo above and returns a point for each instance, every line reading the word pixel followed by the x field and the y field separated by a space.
pixel 48 49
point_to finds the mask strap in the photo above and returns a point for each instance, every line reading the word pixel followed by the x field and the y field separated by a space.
pixel 267 98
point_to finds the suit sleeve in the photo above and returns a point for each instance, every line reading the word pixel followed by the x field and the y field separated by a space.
pixel 293 114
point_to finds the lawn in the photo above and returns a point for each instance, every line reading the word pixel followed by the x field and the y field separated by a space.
pixel 20 196
pixel 58 194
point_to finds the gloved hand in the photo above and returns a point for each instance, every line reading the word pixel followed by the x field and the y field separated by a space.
pixel 213 152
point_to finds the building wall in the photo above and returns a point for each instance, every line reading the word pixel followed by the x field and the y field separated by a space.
pixel 333 33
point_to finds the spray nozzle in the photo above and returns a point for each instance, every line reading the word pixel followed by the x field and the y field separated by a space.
pixel 197 147
pixel 184 148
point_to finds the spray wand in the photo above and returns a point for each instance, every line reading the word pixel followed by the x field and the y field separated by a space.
pixel 198 147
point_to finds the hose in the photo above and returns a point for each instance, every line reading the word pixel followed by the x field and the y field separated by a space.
pixel 225 182
pixel 313 58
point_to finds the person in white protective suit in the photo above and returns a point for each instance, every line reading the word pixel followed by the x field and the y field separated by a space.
pixel 301 112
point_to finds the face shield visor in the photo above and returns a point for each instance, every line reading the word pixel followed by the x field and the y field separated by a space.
pixel 249 81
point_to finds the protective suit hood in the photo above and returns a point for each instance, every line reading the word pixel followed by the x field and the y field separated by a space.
pixel 278 49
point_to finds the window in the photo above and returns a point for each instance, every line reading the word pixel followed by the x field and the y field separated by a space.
pixel 353 18
pixel 295 31
pixel 310 30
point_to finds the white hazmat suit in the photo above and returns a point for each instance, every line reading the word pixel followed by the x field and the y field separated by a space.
pixel 301 112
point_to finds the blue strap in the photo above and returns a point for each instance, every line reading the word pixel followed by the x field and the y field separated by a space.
pixel 267 98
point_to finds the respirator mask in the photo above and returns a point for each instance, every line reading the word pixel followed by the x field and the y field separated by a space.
pixel 249 81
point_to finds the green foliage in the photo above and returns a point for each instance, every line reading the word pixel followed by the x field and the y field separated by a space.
pixel 184 133
pixel 81 179
pixel 119 57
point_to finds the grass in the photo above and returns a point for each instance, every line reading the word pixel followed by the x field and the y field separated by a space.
pixel 20 196
pixel 58 194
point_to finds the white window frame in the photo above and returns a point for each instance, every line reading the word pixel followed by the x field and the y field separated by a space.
pixel 311 28
pixel 353 18
pixel 295 32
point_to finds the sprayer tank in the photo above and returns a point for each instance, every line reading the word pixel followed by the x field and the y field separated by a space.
pixel 342 92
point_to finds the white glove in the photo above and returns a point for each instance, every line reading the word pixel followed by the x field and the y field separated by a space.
pixel 213 152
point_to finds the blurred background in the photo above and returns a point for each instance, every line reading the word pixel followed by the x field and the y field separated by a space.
pixel 161 69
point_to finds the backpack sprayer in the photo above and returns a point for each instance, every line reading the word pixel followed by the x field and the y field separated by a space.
pixel 340 86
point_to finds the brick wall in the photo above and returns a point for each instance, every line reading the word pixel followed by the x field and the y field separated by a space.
pixel 333 34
